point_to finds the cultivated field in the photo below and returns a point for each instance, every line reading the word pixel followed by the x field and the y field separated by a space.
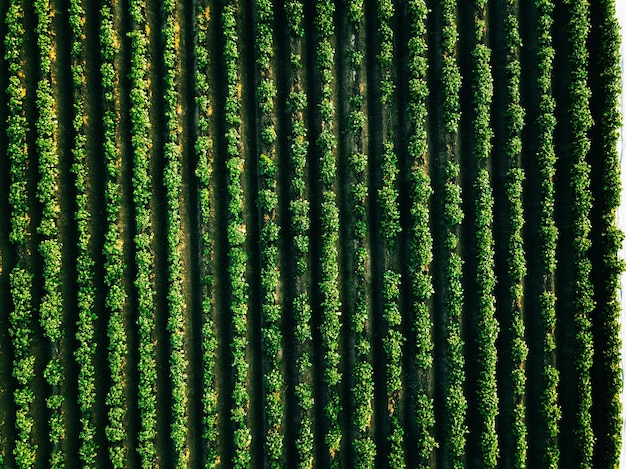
pixel 288 233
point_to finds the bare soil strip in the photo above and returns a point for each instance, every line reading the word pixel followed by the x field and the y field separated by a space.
pixel 532 243
pixel 465 22
pixel 437 157
pixel 402 27
pixel 565 274
pixel 97 207
pixel 501 229
pixel 380 423
pixel 312 82
pixel 249 142
pixel 223 371
pixel 343 92
pixel 127 232
pixel 158 211
pixel 68 230
pixel 190 232
pixel 283 71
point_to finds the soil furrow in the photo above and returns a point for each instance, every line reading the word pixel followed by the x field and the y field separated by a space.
pixel 287 260
pixel 249 140
pixel 158 211
pixel 68 229
pixel 468 241
pixel 224 373
pixel 436 167
pixel 565 272
pixel 501 229
pixel 312 86
pixel 127 225
pixel 402 25
pixel 190 234
pixel 380 423
pixel 530 96
pixel 96 186
pixel 343 93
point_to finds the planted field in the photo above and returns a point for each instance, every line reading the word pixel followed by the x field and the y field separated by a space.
pixel 286 233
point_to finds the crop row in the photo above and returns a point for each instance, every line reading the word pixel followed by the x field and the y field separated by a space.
pixel 270 232
pixel 237 256
pixel 421 239
pixel 487 325
pixel 516 260
pixel 51 307
pixel 581 121
pixel 363 388
pixel 546 159
pixel 204 153
pixel 86 351
pixel 21 316
pixel 113 245
pixel 144 256
pixel 608 305
pixel 329 221
pixel 390 228
pixel 456 402
pixel 172 180
pixel 300 222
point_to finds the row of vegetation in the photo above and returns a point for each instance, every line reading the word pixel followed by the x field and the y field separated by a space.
pixel 421 238
pixel 204 173
pixel 237 254
pixel 350 406
pixel 390 228
pixel 51 306
pixel 113 242
pixel 86 351
pixel 607 343
pixel 486 326
pixel 362 374
pixel 516 258
pixel 299 209
pixel 143 239
pixel 172 181
pixel 580 118
pixel 456 402
pixel 271 307
pixel 546 159
pixel 329 222
pixel 21 278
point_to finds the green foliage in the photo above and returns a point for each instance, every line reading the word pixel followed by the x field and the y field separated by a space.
pixel 581 121
pixel 204 153
pixel 546 159
pixel 144 256
pixel 329 220
pixel 608 310
pixel 270 232
pixel 237 257
pixel 85 353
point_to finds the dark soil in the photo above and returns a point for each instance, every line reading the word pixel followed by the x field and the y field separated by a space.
pixel 97 208
pixel 565 310
pixel 250 146
pixel 380 421
pixel 68 230
pixel 224 373
pixel 190 226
